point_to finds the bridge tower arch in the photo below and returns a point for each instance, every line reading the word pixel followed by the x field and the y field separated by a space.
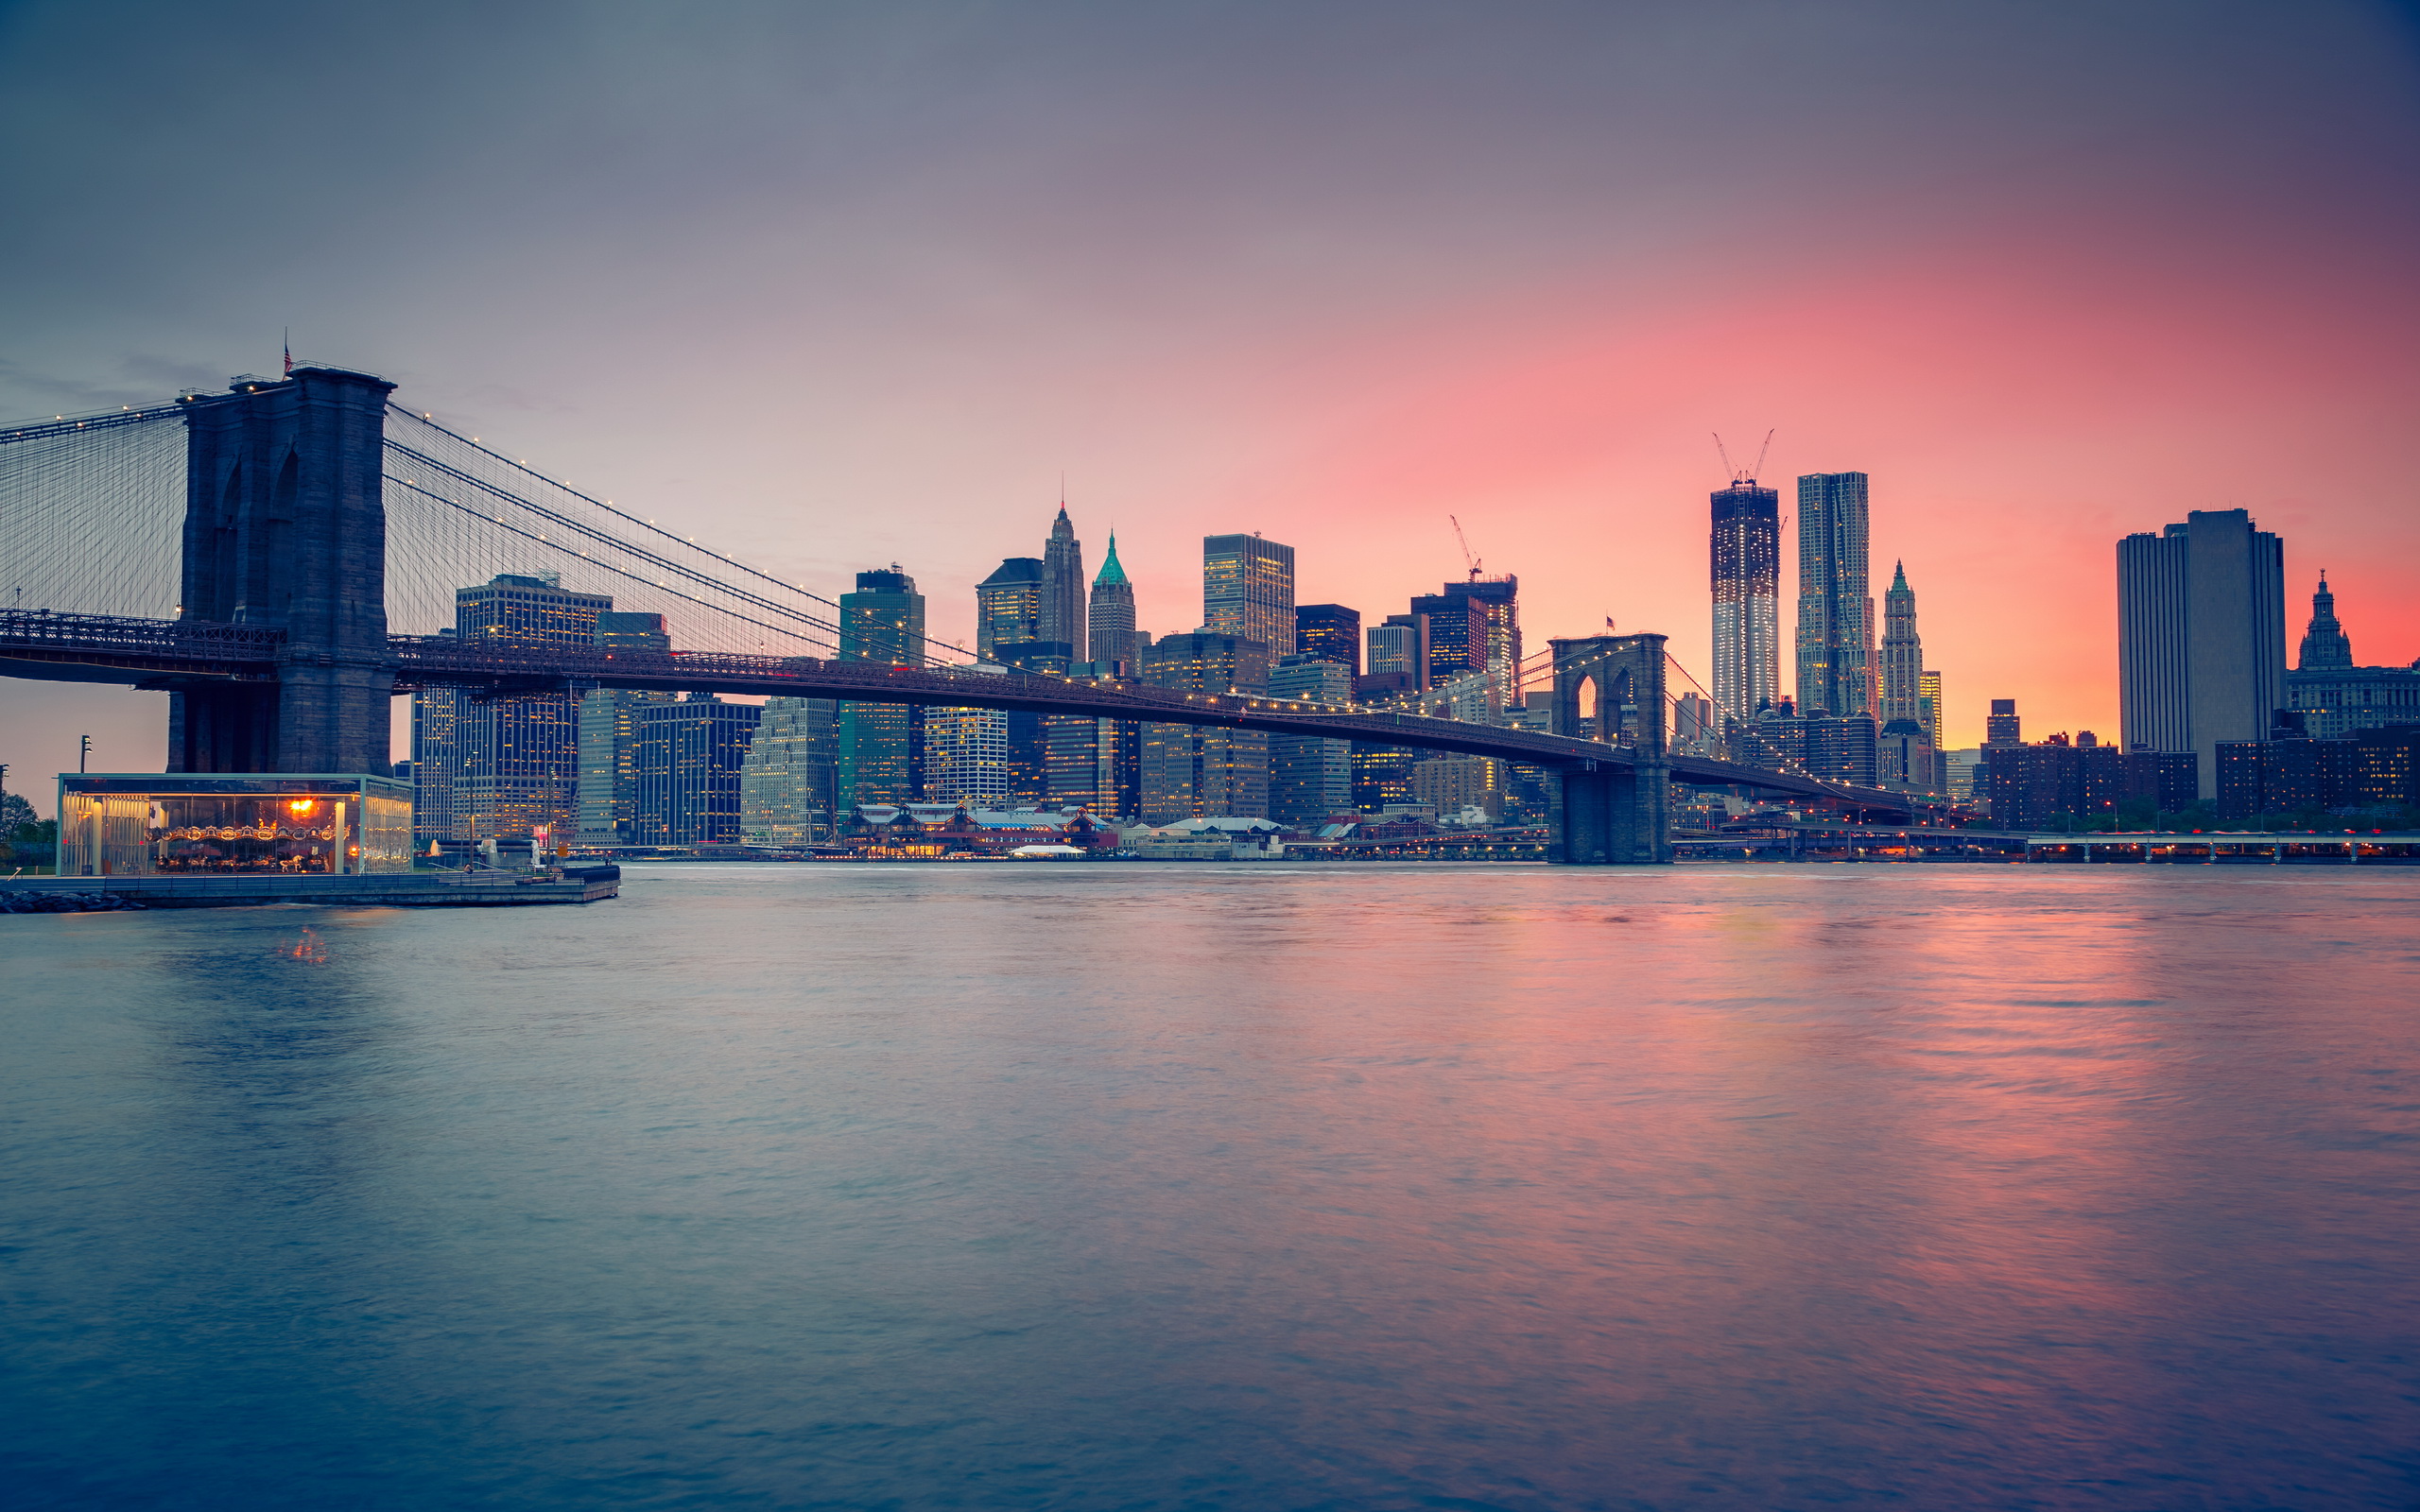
pixel 1605 815
pixel 285 528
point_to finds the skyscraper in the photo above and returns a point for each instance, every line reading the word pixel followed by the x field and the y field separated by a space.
pixel 881 744
pixel 1745 549
pixel 1331 632
pixel 1473 626
pixel 506 765
pixel 2201 636
pixel 1309 777
pixel 1399 652
pixel 1063 586
pixel 1835 599
pixel 1929 688
pixel 789 783
pixel 608 733
pixel 688 763
pixel 1009 605
pixel 1190 771
pixel 1903 653
pixel 1110 631
pixel 1248 590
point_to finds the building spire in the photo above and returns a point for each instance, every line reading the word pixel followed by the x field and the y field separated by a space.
pixel 1110 570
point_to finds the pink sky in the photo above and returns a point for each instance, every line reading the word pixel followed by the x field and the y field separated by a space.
pixel 855 286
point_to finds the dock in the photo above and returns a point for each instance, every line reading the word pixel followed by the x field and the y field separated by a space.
pixel 398 890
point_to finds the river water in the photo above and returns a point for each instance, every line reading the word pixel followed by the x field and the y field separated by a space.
pixel 1132 1186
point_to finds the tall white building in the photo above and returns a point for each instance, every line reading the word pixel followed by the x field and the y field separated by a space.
pixel 789 784
pixel 2201 636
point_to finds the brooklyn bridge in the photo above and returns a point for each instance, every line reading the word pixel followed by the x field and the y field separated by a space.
pixel 278 558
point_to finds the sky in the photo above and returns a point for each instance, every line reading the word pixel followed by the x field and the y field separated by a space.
pixel 846 284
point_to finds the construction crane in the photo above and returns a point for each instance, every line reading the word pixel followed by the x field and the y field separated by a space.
pixel 1463 542
pixel 1753 473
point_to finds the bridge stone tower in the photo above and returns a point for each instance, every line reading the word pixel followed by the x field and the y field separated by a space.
pixel 1613 816
pixel 286 525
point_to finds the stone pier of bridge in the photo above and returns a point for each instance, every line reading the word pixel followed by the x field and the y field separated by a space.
pixel 1611 688
pixel 286 528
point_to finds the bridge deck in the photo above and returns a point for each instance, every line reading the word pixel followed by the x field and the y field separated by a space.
pixel 166 652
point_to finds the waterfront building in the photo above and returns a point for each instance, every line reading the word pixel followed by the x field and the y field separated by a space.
pixel 2003 726
pixel 1248 590
pixel 1310 779
pixel 506 766
pixel 881 745
pixel 1745 551
pixel 1836 662
pixel 2032 787
pixel 1381 777
pixel 688 763
pixel 2337 698
pixel 609 743
pixel 1472 627
pixel 2369 770
pixel 2201 636
pixel 609 724
pixel 1453 784
pixel 967 758
pixel 1399 653
pixel 1114 645
pixel 1330 632
pixel 790 781
pixel 1062 585
pixel 1092 764
pixel 1190 771
pixel 1009 606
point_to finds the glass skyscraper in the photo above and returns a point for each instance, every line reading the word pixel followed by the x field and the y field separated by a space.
pixel 1835 598
pixel 1248 590
pixel 1745 549
pixel 881 744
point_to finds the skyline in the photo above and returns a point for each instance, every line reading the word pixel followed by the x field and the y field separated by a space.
pixel 869 283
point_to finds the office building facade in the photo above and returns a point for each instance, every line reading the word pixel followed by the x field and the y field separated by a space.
pixel 1331 632
pixel 2201 636
pixel 1009 605
pixel 690 759
pixel 1193 771
pixel 1473 626
pixel 1248 590
pixel 881 745
pixel 789 783
pixel 1834 640
pixel 503 768
pixel 1745 552
pixel 1310 779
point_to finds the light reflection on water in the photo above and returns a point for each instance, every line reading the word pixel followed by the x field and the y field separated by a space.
pixel 1180 1186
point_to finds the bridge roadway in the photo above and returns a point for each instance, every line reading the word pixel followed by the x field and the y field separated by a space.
pixel 160 653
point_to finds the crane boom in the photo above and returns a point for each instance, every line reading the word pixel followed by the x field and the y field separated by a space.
pixel 1463 542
